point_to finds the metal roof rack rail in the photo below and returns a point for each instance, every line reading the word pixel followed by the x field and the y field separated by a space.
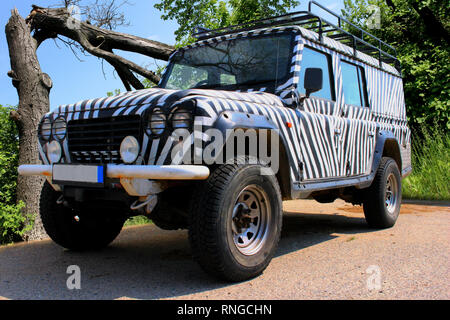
pixel 363 41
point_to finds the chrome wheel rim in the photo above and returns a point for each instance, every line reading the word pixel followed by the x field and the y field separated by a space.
pixel 250 220
pixel 391 194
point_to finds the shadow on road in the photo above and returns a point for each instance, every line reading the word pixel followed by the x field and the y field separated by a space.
pixel 301 230
pixel 143 262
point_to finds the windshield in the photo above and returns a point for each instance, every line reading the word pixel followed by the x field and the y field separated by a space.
pixel 235 62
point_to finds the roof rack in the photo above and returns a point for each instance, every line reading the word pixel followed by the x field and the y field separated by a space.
pixel 362 41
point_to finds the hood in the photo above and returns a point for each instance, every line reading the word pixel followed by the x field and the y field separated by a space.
pixel 136 102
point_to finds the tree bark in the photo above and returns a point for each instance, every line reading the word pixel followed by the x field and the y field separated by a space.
pixel 33 87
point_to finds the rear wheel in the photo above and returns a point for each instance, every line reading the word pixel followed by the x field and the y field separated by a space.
pixel 235 222
pixel 77 229
pixel 383 198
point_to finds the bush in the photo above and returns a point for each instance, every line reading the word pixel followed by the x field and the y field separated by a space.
pixel 431 166
pixel 13 224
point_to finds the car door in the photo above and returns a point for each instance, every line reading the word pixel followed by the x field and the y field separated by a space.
pixel 317 120
pixel 358 132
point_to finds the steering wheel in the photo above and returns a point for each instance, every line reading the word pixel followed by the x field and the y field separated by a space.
pixel 201 83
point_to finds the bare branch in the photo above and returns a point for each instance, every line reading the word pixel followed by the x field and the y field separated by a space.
pixel 72 45
pixel 106 14
pixel 100 42
pixel 111 57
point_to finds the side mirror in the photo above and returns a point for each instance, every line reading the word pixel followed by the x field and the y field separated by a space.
pixel 313 81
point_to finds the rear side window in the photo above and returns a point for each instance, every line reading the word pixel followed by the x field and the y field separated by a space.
pixel 315 59
pixel 353 84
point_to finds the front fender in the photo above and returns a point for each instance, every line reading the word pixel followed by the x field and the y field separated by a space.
pixel 269 144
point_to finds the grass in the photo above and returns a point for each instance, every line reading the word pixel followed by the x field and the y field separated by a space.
pixel 430 179
pixel 137 220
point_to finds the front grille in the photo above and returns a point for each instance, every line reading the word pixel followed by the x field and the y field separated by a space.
pixel 98 140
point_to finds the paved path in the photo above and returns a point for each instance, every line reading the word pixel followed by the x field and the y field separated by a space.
pixel 326 252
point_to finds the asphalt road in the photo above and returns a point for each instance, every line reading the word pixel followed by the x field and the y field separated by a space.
pixel 326 252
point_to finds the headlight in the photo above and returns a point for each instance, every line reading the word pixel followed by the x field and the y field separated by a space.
pixel 54 151
pixel 129 149
pixel 157 122
pixel 59 128
pixel 181 119
pixel 46 129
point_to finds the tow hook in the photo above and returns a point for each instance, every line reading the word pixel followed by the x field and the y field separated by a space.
pixel 149 204
pixel 60 200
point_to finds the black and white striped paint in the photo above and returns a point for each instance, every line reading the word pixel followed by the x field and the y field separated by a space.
pixel 326 139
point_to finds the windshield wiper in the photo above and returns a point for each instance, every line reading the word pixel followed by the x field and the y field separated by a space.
pixel 206 86
pixel 250 82
pixel 220 85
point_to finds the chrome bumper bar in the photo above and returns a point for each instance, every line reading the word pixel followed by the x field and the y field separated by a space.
pixel 169 172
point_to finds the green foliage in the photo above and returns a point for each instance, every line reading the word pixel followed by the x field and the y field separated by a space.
pixel 9 152
pixel 214 14
pixel 113 93
pixel 137 220
pixel 422 50
pixel 159 71
pixel 13 224
pixel 431 166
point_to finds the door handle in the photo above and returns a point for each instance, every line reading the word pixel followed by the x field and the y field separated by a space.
pixel 337 140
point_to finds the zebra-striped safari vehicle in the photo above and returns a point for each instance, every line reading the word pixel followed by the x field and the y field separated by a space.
pixel 280 108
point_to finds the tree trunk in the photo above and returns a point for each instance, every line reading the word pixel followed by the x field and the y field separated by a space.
pixel 33 87
pixel 434 28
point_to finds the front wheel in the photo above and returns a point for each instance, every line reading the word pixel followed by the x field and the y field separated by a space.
pixel 77 229
pixel 235 222
pixel 383 198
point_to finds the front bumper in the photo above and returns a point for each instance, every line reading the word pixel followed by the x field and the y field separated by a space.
pixel 151 172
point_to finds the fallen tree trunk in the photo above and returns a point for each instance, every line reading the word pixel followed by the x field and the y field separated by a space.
pixel 50 22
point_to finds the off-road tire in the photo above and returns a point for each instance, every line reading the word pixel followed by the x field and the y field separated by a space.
pixel 94 230
pixel 211 231
pixel 378 214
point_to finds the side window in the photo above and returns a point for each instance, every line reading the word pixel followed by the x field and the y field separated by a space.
pixel 185 77
pixel 227 79
pixel 315 59
pixel 353 84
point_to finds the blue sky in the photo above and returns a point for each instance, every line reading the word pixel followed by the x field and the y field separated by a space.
pixel 74 80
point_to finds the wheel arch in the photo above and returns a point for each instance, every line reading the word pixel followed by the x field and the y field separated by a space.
pixel 230 120
pixel 386 146
pixel 392 150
